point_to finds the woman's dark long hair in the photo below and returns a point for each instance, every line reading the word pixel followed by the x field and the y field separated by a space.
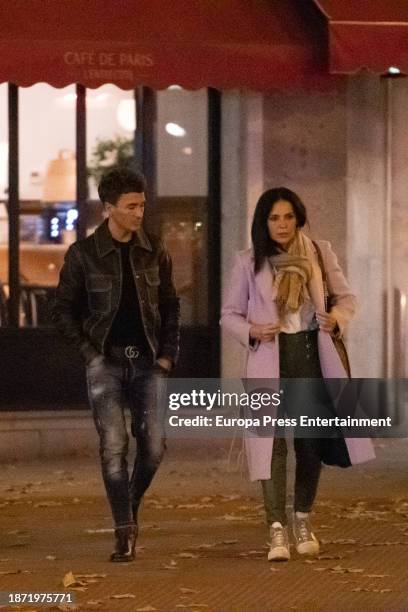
pixel 263 244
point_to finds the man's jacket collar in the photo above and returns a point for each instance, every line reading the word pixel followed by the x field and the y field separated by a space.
pixel 105 244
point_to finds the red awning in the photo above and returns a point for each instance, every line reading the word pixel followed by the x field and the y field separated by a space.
pixel 369 34
pixel 254 44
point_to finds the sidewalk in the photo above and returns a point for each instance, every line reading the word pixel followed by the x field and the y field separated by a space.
pixel 203 540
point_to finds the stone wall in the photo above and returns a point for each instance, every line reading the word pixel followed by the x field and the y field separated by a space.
pixel 329 148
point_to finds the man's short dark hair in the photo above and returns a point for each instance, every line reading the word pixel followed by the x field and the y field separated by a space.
pixel 118 181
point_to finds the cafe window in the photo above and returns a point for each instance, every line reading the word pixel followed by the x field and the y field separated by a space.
pixel 47 185
pixel 182 205
pixel 3 206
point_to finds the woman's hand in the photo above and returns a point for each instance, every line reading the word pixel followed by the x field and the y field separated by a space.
pixel 326 321
pixel 264 333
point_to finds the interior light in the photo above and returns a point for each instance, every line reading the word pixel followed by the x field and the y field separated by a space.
pixel 101 97
pixel 174 88
pixel 174 129
pixel 3 166
pixel 394 70
pixel 67 100
pixel 126 114
pixel 72 215
pixel 69 97
pixel 187 150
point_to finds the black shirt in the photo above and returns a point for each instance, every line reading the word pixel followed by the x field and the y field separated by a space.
pixel 127 327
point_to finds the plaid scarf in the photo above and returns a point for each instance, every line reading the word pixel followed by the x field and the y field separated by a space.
pixel 292 272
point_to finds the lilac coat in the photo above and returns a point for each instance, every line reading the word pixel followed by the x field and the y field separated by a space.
pixel 250 299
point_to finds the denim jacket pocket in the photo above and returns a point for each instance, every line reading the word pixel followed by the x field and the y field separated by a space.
pixel 99 288
pixel 152 285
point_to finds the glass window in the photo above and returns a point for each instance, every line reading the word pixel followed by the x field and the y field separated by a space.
pixel 182 167
pixel 47 193
pixel 3 197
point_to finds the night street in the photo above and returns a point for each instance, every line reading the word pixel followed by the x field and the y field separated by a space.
pixel 203 539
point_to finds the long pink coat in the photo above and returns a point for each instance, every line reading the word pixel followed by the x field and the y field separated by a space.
pixel 250 299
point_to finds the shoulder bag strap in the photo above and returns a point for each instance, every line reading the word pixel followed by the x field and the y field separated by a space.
pixel 324 275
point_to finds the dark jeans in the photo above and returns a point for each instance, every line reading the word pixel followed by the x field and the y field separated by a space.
pixel 299 358
pixel 112 385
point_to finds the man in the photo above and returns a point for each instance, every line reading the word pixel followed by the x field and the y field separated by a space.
pixel 117 304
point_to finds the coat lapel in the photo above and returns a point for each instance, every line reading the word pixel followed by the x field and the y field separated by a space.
pixel 264 283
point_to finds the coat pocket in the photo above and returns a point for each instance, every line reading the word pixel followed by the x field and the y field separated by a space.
pixel 99 288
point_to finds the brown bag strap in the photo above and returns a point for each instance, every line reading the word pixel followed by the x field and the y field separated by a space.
pixel 324 275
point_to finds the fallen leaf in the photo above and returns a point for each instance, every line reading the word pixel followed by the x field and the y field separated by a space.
pixel 194 506
pixel 123 596
pixel 51 558
pixel 339 541
pixel 91 575
pixel 232 517
pixel 229 542
pixel 172 565
pixel 110 530
pixel 187 555
pixel 376 575
pixel 387 543
pixel 232 497
pixel 186 591
pixel 338 569
pixel 70 581
pixel 367 590
pixel 47 504
pixel 80 589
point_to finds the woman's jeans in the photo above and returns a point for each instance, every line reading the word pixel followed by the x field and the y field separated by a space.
pixel 112 385
pixel 299 358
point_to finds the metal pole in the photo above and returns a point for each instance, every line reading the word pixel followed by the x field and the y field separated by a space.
pixel 13 209
pixel 81 172
pixel 214 226
pixel 138 139
pixel 388 236
pixel 149 116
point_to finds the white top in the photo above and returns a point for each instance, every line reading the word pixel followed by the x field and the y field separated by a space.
pixel 301 320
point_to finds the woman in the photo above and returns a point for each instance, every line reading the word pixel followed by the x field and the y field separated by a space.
pixel 275 307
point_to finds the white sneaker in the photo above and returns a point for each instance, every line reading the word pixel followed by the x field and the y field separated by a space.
pixel 279 547
pixel 305 540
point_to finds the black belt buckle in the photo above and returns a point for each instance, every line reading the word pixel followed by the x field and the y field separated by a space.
pixel 132 352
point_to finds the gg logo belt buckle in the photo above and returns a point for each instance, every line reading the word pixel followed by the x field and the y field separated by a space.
pixel 131 352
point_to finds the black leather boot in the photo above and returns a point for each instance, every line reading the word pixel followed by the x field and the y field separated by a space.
pixel 125 543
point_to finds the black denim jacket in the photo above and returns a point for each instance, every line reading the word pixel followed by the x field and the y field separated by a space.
pixel 89 291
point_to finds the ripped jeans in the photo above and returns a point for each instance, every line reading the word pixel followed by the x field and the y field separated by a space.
pixel 112 386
